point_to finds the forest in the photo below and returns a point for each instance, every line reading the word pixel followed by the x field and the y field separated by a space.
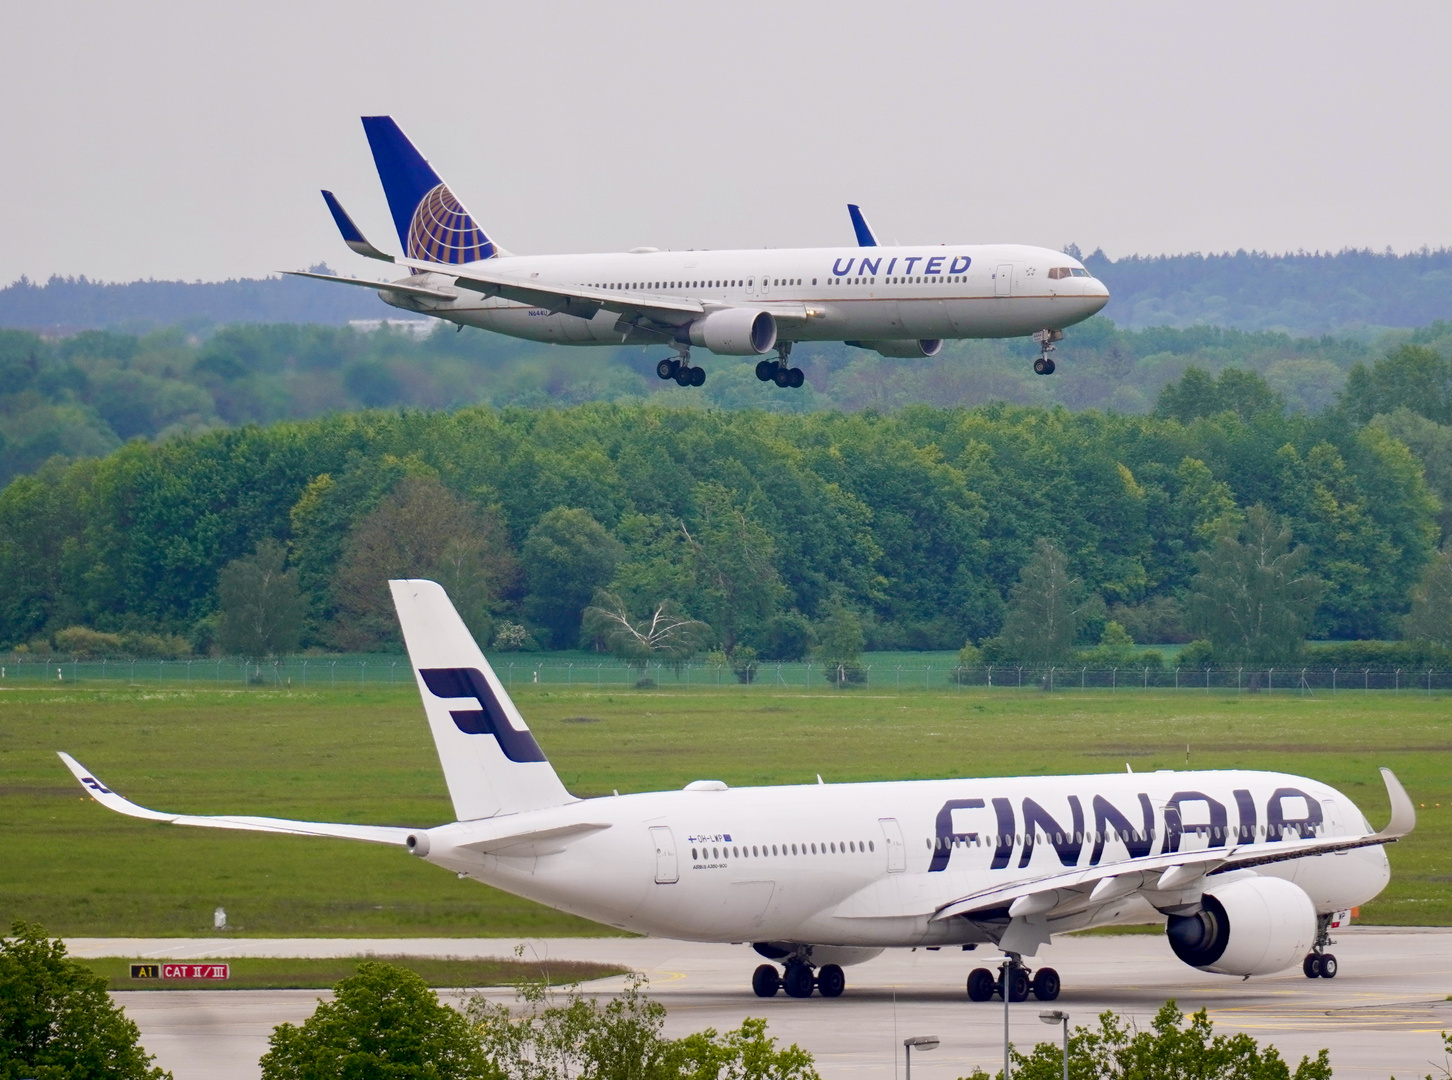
pixel 86 394
pixel 764 527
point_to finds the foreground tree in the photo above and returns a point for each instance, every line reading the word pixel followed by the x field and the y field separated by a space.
pixel 421 529
pixel 56 1020
pixel 1046 609
pixel 384 1023
pixel 262 607
pixel 1431 616
pixel 734 561
pixel 567 556
pixel 663 635
pixel 1169 1050
pixel 622 1039
pixel 1253 598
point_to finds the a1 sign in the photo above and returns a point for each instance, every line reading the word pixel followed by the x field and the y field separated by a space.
pixel 195 971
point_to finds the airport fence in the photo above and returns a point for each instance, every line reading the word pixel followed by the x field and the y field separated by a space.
pixel 527 669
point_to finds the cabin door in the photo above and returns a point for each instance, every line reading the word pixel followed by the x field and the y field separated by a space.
pixel 1003 280
pixel 892 841
pixel 666 872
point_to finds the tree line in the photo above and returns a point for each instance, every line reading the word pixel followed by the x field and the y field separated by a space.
pixel 773 532
pixel 86 394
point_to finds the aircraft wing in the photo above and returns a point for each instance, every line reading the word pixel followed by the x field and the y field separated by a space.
pixel 378 834
pixel 1079 888
pixel 581 300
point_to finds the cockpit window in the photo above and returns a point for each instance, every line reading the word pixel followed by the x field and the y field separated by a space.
pixel 1068 271
pixel 1079 271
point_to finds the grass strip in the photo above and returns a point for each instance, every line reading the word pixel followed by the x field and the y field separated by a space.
pixel 307 973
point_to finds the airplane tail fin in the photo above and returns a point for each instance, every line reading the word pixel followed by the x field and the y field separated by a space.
pixel 865 238
pixel 432 224
pixel 491 762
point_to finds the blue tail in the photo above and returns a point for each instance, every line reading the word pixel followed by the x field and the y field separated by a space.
pixel 432 224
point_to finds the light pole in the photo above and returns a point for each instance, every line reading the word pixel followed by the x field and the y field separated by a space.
pixel 1060 1017
pixel 1007 993
pixel 922 1042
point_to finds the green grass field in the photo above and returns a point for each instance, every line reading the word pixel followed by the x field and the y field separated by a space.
pixel 290 973
pixel 364 755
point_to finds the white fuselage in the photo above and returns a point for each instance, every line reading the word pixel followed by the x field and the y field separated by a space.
pixel 909 292
pixel 868 865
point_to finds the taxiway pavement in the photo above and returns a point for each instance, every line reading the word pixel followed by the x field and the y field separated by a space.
pixel 1380 1016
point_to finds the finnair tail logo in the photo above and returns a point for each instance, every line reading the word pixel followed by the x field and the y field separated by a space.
pixel 489 718
pixel 443 232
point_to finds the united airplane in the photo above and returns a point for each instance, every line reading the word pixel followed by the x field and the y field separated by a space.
pixel 1251 871
pixel 899 301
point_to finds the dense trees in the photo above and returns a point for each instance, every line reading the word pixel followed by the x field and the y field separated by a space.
pixel 56 1018
pixel 920 522
pixel 86 394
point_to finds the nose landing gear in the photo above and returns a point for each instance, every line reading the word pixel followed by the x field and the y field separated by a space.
pixel 1044 365
pixel 1319 964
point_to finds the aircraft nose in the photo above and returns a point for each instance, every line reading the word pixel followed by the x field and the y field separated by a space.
pixel 1097 293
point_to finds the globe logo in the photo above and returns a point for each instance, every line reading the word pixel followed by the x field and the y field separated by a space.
pixel 442 231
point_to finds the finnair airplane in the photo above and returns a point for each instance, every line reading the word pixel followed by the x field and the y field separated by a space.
pixel 899 301
pixel 1252 870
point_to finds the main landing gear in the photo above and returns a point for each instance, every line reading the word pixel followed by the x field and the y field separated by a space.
pixel 681 369
pixel 779 370
pixel 798 981
pixel 983 985
pixel 1319 964
pixel 1044 365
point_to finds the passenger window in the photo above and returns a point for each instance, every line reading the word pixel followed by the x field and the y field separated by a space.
pixel 693 854
pixel 871 846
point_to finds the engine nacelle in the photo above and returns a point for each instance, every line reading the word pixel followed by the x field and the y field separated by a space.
pixel 735 332
pixel 905 348
pixel 1249 926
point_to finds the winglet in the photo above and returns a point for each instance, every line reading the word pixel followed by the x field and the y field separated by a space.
pixel 860 226
pixel 108 798
pixel 1403 813
pixel 352 235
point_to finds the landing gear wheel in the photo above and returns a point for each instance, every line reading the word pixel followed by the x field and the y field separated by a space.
pixel 698 376
pixel 1046 984
pixel 766 370
pixel 796 378
pixel 782 376
pixel 668 367
pixel 1328 966
pixel 1048 366
pixel 981 985
pixel 1041 366
pixel 765 981
pixel 798 982
pixel 830 981
pixel 683 376
pixel 1311 966
pixel 1018 984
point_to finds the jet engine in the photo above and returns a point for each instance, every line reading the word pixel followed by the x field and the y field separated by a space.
pixel 735 332
pixel 906 348
pixel 1247 926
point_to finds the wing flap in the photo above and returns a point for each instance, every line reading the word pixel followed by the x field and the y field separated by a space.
pixel 377 834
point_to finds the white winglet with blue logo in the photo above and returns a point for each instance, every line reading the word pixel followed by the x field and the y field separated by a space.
pixel 491 762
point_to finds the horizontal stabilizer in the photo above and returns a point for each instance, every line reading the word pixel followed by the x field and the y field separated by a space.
pixel 377 834
pixel 352 235
pixel 385 286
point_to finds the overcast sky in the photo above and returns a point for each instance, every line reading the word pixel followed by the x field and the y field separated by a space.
pixel 190 140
